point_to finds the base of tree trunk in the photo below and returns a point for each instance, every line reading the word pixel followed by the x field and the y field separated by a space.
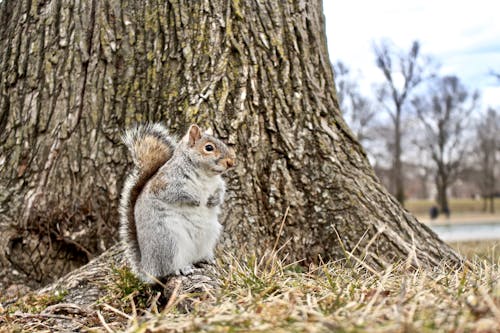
pixel 84 298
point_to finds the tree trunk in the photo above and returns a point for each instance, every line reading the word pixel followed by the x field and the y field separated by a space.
pixel 443 200
pixel 397 165
pixel 492 184
pixel 75 74
pixel 442 192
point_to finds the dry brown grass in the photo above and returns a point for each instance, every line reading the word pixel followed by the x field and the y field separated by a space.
pixel 479 250
pixel 266 295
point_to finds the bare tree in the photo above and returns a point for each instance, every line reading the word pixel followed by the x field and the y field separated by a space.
pixel 486 150
pixel 403 72
pixel 344 85
pixel 357 109
pixel 75 74
pixel 495 74
pixel 445 114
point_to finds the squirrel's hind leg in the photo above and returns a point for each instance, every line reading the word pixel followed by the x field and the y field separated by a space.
pixel 209 260
pixel 186 270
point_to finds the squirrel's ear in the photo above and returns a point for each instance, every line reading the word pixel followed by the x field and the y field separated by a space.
pixel 194 134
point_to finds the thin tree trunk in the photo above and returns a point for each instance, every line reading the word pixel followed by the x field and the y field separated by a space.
pixel 492 185
pixel 442 195
pixel 443 201
pixel 397 164
pixel 75 74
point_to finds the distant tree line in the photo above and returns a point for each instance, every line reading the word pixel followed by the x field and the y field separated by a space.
pixel 417 124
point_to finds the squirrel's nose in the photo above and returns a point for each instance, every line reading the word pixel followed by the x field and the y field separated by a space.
pixel 229 162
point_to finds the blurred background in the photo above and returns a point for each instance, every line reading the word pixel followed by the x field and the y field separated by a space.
pixel 419 85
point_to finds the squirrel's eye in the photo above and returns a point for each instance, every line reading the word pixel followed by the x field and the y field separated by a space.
pixel 209 147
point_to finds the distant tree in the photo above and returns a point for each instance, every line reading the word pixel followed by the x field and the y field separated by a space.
pixel 357 109
pixel 424 167
pixel 403 72
pixel 343 84
pixel 495 74
pixel 444 112
pixel 487 150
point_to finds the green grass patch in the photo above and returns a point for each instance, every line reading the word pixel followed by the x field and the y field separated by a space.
pixel 126 289
pixel 35 303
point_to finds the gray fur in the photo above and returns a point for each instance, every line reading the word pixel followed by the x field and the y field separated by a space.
pixel 216 198
pixel 127 226
pixel 177 224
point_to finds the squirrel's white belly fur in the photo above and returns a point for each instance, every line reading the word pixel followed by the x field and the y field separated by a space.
pixel 201 228
pixel 198 234
pixel 172 237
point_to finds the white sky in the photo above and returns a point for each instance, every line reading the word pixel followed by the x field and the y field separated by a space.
pixel 464 36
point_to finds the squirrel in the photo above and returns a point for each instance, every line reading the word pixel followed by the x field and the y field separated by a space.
pixel 170 202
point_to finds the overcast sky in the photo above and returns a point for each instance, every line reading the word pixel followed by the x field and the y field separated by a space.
pixel 464 36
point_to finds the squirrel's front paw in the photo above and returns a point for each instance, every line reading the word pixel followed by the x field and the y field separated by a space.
pixel 188 200
pixel 187 270
pixel 215 199
pixel 210 260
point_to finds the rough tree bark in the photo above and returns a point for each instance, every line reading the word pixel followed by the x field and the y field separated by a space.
pixel 74 74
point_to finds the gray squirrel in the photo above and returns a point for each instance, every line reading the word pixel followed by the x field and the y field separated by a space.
pixel 171 200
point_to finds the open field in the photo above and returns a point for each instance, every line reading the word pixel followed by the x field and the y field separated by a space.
pixel 457 206
pixel 464 218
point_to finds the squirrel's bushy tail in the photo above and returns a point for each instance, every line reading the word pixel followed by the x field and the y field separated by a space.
pixel 150 146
